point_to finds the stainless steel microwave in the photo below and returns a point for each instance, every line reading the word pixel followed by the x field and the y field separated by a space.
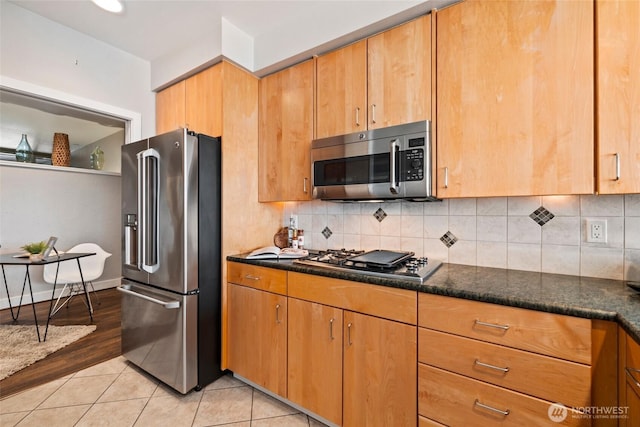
pixel 379 164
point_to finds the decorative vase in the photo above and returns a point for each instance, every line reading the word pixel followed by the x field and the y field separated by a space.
pixel 60 154
pixel 24 153
pixel 97 159
pixel 35 257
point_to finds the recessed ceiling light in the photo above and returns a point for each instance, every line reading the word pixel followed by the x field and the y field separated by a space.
pixel 114 6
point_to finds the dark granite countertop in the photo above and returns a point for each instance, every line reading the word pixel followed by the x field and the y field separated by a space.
pixel 585 297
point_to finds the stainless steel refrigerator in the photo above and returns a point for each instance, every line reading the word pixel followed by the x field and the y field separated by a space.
pixel 171 212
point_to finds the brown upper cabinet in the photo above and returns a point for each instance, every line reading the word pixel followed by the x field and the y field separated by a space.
pixel 618 85
pixel 194 103
pixel 285 132
pixel 515 102
pixel 381 81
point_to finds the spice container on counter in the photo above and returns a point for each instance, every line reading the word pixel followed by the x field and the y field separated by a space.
pixel 301 239
pixel 294 239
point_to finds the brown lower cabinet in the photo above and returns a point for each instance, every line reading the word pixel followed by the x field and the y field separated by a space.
pixel 257 345
pixel 351 368
pixel 629 380
pixel 357 354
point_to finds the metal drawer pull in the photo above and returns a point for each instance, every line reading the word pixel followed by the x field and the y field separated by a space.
pixel 278 314
pixel 491 408
pixel 617 178
pixel 446 177
pixel 373 113
pixel 349 333
pixel 251 277
pixel 304 185
pixel 491 325
pixel 630 372
pixel 486 365
pixel 331 328
pixel 357 116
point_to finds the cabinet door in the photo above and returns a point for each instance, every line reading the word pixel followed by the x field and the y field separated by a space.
pixel 515 98
pixel 380 372
pixel 618 70
pixel 315 358
pixel 170 108
pixel 632 403
pixel 204 101
pixel 285 134
pixel 257 340
pixel 399 74
pixel 341 105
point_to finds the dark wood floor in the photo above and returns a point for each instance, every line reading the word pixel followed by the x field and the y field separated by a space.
pixel 101 345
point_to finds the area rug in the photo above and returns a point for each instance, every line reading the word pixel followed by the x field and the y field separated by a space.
pixel 19 346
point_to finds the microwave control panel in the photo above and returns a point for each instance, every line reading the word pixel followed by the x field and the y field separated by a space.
pixel 412 166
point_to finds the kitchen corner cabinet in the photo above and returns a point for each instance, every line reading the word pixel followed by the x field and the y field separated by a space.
pixel 618 85
pixel 352 359
pixel 515 98
pixel 629 379
pixel 381 81
pixel 257 326
pixel 285 117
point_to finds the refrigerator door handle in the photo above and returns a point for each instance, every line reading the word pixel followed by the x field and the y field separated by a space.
pixel 126 289
pixel 148 212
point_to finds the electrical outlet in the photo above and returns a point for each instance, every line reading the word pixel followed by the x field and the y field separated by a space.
pixel 597 231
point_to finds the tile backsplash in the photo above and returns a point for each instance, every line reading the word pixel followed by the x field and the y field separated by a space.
pixel 541 233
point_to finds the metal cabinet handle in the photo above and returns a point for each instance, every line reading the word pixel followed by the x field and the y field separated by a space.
pixel 304 185
pixel 357 116
pixel 278 314
pixel 486 365
pixel 492 325
pixel 251 277
pixel 617 156
pixel 630 372
pixel 331 328
pixel 446 177
pixel 491 408
pixel 373 113
pixel 349 333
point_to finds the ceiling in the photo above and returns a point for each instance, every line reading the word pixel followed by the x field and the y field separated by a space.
pixel 150 29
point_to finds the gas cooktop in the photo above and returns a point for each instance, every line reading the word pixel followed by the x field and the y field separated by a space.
pixel 380 263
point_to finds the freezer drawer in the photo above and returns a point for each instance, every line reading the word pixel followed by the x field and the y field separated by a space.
pixel 159 334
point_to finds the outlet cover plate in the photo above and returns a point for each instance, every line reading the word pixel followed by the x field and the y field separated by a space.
pixel 596 231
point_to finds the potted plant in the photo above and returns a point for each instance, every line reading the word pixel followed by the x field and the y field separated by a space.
pixel 35 250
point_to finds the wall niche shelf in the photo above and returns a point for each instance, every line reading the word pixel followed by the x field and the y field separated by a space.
pixel 40 112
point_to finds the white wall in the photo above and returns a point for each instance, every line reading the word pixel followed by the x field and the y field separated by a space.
pixel 76 206
pixel 491 232
pixel 44 53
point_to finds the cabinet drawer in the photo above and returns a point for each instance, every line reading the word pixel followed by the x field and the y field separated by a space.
pixel 456 400
pixel 263 278
pixel 556 335
pixel 381 301
pixel 541 376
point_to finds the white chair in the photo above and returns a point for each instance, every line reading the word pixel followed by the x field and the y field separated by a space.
pixel 69 275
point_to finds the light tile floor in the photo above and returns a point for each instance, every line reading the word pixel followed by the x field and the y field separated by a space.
pixel 116 393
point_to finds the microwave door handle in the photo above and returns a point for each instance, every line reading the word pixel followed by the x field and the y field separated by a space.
pixel 394 148
pixel 149 219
